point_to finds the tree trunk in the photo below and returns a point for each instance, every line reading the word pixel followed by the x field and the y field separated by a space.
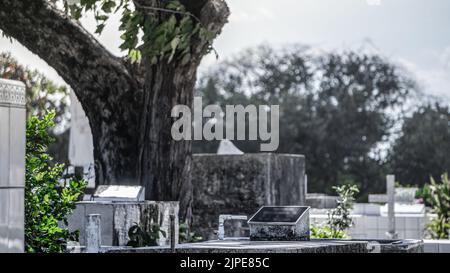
pixel 148 155
pixel 128 106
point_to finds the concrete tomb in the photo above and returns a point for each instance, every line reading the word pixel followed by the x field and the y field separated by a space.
pixel 241 184
pixel 277 223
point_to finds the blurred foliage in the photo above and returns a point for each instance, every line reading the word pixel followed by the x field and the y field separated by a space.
pixel 424 195
pixel 158 30
pixel 47 202
pixel 325 232
pixel 334 109
pixel 142 236
pixel 423 148
pixel 42 95
pixel 439 227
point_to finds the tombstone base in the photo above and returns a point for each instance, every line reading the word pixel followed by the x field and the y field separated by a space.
pixel 118 217
pixel 245 246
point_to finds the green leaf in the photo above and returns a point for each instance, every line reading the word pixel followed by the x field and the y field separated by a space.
pixel 100 28
pixel 135 55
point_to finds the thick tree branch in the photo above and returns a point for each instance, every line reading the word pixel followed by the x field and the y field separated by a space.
pixel 66 46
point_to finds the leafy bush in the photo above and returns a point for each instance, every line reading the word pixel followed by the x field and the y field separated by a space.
pixel 47 203
pixel 140 236
pixel 424 194
pixel 325 232
pixel 440 200
pixel 339 219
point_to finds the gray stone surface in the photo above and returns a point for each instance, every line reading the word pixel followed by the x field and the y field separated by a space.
pixel 402 246
pixel 313 246
pixel 118 217
pixel 299 231
pixel 240 184
pixel 247 246
pixel 12 165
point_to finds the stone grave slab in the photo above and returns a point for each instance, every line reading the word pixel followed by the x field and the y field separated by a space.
pixel 280 223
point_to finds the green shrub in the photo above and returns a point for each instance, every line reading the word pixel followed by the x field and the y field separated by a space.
pixel 339 219
pixel 325 232
pixel 440 201
pixel 140 236
pixel 47 202
pixel 424 194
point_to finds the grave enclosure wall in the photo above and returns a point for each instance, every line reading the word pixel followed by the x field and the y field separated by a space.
pixel 12 165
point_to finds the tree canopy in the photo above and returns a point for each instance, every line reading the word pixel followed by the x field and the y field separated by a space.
pixel 422 150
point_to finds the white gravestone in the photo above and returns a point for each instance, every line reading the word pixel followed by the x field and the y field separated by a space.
pixel 119 193
pixel 93 233
pixel 81 147
pixel 12 165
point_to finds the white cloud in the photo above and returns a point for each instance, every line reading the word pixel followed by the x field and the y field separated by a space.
pixel 445 59
pixel 434 80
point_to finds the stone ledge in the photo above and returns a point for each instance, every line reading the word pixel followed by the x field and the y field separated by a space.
pixel 244 245
pixel 247 246
pixel 12 93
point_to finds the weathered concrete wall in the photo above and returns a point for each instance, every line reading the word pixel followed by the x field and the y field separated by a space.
pixel 12 165
pixel 117 218
pixel 240 184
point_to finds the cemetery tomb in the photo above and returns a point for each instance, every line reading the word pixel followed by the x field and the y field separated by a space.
pixel 280 223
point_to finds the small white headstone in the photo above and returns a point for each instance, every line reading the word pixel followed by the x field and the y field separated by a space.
pixel 119 193
pixel 81 147
pixel 227 147
pixel 93 233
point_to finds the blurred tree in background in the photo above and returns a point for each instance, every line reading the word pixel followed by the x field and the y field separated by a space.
pixel 42 95
pixel 335 108
pixel 423 149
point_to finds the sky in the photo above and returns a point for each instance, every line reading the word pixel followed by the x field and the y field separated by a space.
pixel 414 34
